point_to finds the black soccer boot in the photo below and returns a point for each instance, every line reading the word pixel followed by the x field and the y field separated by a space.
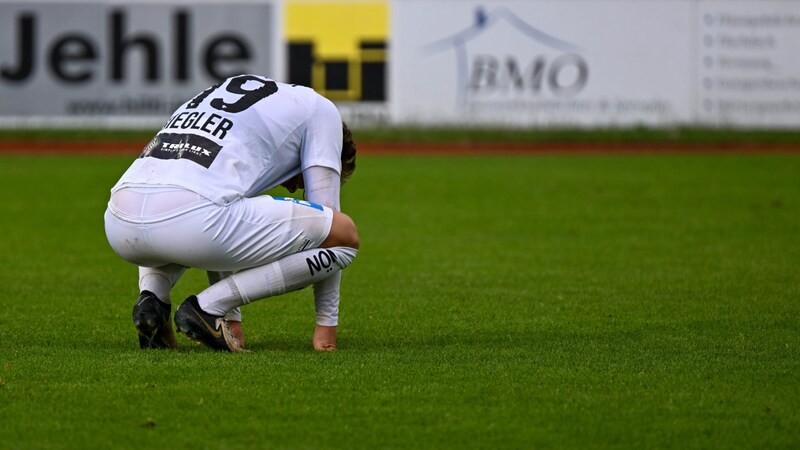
pixel 151 319
pixel 211 330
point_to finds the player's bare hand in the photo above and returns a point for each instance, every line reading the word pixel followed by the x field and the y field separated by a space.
pixel 324 338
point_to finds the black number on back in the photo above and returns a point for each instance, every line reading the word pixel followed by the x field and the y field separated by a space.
pixel 202 96
pixel 249 97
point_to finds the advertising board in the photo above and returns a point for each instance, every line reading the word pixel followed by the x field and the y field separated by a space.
pixel 99 62
pixel 576 63
pixel 339 48
pixel 519 63
pixel 748 70
pixel 596 62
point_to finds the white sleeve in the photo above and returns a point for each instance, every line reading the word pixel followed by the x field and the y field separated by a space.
pixel 326 300
pixel 322 141
pixel 322 186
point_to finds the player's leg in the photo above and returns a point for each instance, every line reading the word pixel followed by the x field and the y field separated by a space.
pixel 128 219
pixel 151 312
pixel 234 316
pixel 160 280
pixel 343 232
pixel 206 323
pixel 290 272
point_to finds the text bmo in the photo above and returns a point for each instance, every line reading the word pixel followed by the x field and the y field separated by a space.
pixel 564 76
pixel 75 57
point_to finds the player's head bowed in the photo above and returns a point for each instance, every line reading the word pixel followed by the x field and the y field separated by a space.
pixel 348 153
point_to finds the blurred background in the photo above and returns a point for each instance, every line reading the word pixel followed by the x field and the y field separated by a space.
pixel 497 63
pixel 547 300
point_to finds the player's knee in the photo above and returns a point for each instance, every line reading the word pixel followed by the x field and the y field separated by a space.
pixel 343 256
pixel 343 232
pixel 350 233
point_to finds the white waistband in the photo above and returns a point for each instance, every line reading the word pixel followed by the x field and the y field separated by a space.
pixel 152 203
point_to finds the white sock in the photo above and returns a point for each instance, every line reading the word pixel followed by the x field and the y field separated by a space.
pixel 288 274
pixel 160 280
pixel 216 277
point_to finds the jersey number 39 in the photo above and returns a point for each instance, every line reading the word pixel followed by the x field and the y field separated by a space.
pixel 249 97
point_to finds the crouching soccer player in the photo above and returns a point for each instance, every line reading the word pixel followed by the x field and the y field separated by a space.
pixel 191 200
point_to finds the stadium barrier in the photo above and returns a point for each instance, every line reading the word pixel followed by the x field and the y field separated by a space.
pixel 572 63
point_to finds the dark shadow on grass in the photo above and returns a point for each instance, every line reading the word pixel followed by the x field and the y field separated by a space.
pixel 667 343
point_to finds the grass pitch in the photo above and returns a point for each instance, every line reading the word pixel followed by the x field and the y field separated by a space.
pixel 618 301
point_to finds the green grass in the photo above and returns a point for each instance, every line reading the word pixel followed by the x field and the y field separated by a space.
pixel 640 135
pixel 591 301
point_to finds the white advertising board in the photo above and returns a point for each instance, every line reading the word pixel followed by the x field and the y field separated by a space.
pixel 748 63
pixel 542 62
pixel 595 62
pixel 587 63
pixel 125 64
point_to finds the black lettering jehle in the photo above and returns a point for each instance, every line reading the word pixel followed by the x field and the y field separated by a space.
pixel 75 57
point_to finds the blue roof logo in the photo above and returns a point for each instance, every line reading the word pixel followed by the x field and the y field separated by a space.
pixel 484 21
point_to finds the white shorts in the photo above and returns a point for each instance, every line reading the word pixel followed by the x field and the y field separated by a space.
pixel 156 226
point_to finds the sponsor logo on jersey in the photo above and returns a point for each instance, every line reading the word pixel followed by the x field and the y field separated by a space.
pixel 182 146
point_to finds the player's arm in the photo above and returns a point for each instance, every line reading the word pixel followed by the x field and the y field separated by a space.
pixel 321 165
pixel 322 186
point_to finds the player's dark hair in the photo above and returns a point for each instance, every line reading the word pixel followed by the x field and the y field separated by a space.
pixel 348 153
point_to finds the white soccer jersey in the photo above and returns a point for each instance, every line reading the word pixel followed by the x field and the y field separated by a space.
pixel 239 138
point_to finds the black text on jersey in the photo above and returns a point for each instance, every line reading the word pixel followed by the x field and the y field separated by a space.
pixel 214 124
